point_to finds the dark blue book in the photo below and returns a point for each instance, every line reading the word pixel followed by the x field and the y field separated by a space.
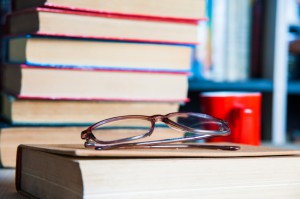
pixel 74 52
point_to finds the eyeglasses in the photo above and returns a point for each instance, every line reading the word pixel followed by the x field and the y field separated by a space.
pixel 123 131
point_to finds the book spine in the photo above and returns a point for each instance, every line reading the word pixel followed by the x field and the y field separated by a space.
pixel 219 20
pixel 18 168
pixel 257 40
pixel 5 8
pixel 238 40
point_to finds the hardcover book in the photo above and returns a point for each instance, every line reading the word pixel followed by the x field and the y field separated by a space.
pixel 85 84
pixel 182 10
pixel 102 26
pixel 11 136
pixel 91 53
pixel 74 112
pixel 70 171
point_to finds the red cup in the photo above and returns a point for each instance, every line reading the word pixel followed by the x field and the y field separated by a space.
pixel 242 111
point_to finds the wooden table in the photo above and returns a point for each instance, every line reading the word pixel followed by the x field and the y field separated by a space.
pixel 7 185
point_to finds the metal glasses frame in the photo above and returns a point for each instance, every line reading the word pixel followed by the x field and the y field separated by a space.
pixel 199 134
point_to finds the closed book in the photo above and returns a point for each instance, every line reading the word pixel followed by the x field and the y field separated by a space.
pixel 89 53
pixel 26 81
pixel 183 10
pixel 83 112
pixel 70 171
pixel 11 136
pixel 101 26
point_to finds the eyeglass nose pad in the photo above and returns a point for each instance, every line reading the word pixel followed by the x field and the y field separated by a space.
pixel 84 134
pixel 89 144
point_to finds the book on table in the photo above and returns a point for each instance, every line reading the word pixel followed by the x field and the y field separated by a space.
pixel 75 112
pixel 90 53
pixel 102 26
pixel 184 10
pixel 85 84
pixel 11 136
pixel 70 171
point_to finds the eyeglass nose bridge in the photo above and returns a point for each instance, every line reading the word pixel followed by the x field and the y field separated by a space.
pixel 158 118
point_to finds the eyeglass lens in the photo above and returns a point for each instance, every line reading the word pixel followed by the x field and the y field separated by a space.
pixel 121 129
pixel 199 122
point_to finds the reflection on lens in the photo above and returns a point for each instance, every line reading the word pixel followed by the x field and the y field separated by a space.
pixel 199 122
pixel 122 129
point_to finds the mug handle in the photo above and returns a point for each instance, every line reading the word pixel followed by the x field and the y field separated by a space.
pixel 245 128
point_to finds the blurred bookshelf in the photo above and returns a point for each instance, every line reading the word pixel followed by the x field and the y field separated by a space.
pixel 294 87
pixel 271 70
pixel 250 85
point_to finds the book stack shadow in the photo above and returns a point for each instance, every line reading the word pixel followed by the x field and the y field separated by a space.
pixel 70 64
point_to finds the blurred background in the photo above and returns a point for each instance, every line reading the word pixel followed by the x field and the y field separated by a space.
pixel 253 45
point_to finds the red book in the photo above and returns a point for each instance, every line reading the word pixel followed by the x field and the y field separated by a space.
pixel 100 26
pixel 174 10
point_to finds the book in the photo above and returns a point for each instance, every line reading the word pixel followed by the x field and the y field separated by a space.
pixel 11 136
pixel 102 26
pixel 257 38
pixel 70 171
pixel 238 40
pixel 83 112
pixel 184 10
pixel 294 46
pixel 85 84
pixel 219 22
pixel 231 49
pixel 90 53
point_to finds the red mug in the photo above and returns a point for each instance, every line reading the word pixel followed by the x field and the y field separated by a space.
pixel 242 111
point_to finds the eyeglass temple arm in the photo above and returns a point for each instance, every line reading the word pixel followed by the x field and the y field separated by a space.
pixel 203 146
pixel 147 143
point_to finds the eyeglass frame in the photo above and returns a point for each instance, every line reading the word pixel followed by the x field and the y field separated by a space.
pixel 93 142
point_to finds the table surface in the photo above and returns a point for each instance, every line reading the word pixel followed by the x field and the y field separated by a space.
pixel 7 185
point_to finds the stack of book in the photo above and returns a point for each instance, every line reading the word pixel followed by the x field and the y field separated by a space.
pixel 73 63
